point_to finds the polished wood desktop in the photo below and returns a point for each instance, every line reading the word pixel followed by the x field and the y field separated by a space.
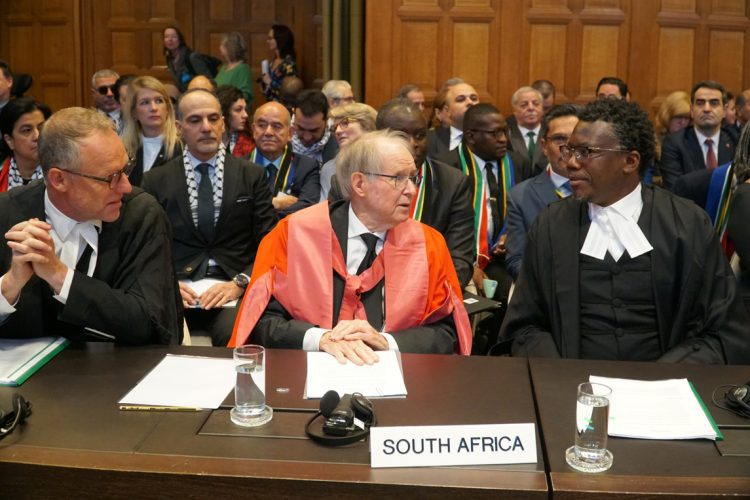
pixel 641 468
pixel 77 443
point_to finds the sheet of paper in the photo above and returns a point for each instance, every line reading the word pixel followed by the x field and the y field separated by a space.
pixel 660 409
pixel 381 379
pixel 185 382
pixel 201 286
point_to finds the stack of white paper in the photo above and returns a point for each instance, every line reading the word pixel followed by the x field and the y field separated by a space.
pixel 660 409
pixel 325 373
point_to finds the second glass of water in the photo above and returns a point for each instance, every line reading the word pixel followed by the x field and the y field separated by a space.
pixel 590 454
pixel 250 389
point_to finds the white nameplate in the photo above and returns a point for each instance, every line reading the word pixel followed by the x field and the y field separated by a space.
pixel 423 446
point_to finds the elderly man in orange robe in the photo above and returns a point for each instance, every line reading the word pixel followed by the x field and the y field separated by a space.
pixel 357 276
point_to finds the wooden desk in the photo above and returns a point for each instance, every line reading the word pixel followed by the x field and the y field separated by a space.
pixel 78 443
pixel 641 468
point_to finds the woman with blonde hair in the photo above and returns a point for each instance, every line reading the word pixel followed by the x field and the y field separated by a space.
pixel 350 122
pixel 673 116
pixel 150 133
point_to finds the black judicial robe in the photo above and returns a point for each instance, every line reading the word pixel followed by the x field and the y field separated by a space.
pixel 133 293
pixel 699 312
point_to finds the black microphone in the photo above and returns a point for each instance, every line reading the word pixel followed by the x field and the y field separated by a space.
pixel 328 403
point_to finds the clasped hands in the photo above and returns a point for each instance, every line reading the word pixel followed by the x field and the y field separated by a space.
pixel 33 252
pixel 354 340
pixel 216 296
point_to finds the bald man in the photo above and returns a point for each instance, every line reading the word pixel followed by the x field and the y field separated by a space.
pixel 202 82
pixel 219 207
pixel 294 179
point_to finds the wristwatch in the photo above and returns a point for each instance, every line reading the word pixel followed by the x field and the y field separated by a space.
pixel 241 280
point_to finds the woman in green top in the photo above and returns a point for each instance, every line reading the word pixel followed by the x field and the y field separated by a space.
pixel 235 72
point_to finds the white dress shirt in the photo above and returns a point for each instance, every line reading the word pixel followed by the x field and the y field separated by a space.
pixel 356 249
pixel 456 137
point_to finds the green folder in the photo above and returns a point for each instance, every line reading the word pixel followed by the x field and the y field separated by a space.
pixel 21 358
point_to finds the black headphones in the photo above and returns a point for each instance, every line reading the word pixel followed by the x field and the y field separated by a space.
pixel 12 413
pixel 736 398
pixel 339 427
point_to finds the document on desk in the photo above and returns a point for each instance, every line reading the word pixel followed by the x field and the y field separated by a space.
pixel 658 409
pixel 183 383
pixel 20 358
pixel 201 286
pixel 381 379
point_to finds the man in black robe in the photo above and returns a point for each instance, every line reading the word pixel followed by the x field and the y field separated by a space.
pixel 87 255
pixel 621 270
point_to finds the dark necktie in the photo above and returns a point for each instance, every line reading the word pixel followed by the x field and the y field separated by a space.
pixel 271 169
pixel 205 203
pixel 710 155
pixel 532 144
pixel 371 241
pixel 82 266
pixel 494 197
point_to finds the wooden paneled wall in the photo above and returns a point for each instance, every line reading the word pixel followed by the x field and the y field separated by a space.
pixel 63 42
pixel 657 47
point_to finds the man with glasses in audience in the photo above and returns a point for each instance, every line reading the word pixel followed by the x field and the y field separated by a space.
pixel 219 207
pixel 621 270
pixel 492 170
pixel 294 179
pixel 357 276
pixel 528 198
pixel 87 256
pixel 103 92
pixel 705 144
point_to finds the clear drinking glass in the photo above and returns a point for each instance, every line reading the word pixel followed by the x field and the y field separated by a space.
pixel 250 389
pixel 589 453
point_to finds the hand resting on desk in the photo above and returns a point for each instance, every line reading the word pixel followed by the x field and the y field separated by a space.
pixel 354 340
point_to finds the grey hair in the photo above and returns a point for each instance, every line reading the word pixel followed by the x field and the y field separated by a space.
pixel 333 88
pixel 365 155
pixel 522 90
pixel 59 144
pixel 103 73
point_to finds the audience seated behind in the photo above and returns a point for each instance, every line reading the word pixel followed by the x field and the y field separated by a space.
pixel 357 309
pixel 235 71
pixel 294 179
pixel 236 138
pixel 311 135
pixel 215 236
pixel 459 97
pixel 21 122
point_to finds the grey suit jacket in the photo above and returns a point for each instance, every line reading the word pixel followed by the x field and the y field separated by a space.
pixel 525 201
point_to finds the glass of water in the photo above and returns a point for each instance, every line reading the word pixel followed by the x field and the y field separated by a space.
pixel 250 389
pixel 590 454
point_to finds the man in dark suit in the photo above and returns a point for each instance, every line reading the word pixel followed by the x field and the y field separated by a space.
pixel 219 207
pixel 492 171
pixel 87 256
pixel 703 145
pixel 294 178
pixel 524 133
pixel 459 96
pixel 369 278
pixel 528 198
pixel 443 198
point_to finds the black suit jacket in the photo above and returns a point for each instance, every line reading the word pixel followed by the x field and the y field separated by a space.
pixel 681 153
pixel 305 183
pixel 277 328
pixel 136 175
pixel 133 293
pixel 438 141
pixel 517 143
pixel 246 216
pixel 447 208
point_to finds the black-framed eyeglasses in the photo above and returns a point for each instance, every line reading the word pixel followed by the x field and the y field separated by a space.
pixel 111 179
pixel 583 153
pixel 103 89
pixel 496 133
pixel 398 181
